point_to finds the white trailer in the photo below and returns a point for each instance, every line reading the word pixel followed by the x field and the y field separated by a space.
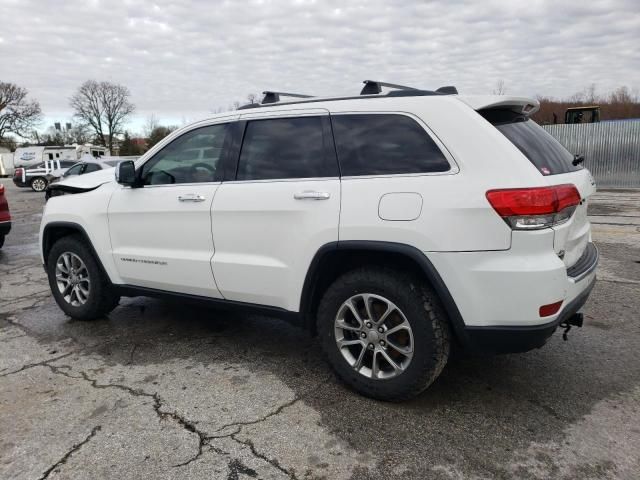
pixel 93 150
pixel 32 156
pixel 6 164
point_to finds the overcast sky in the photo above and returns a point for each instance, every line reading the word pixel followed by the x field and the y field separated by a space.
pixel 184 59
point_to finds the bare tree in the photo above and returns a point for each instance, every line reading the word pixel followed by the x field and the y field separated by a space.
pixel 159 133
pixel 18 115
pixel 104 107
pixel 500 88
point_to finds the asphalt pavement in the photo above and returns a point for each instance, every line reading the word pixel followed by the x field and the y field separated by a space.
pixel 165 390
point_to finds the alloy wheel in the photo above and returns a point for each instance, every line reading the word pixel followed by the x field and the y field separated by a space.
pixel 72 278
pixel 39 185
pixel 374 336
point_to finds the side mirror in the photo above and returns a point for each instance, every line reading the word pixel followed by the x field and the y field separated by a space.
pixel 126 173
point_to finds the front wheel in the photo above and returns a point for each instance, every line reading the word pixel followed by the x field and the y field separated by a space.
pixel 39 184
pixel 79 286
pixel 384 333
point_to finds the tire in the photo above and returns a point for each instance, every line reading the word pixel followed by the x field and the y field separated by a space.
pixel 38 184
pixel 418 317
pixel 98 293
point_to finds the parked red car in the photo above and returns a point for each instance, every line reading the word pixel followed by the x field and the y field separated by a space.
pixel 5 216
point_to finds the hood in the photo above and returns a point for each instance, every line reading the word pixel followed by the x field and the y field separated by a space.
pixel 91 180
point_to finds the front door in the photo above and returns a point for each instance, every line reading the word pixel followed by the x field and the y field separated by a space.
pixel 161 231
pixel 280 206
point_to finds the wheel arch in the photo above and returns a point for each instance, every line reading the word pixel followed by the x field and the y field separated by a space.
pixel 54 231
pixel 336 258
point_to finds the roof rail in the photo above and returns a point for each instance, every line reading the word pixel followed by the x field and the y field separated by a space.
pixel 373 87
pixel 274 97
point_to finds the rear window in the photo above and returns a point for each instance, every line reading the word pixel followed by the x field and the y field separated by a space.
pixel 545 152
pixel 384 144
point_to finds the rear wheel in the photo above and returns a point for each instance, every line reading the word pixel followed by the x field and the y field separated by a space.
pixel 38 184
pixel 79 286
pixel 384 333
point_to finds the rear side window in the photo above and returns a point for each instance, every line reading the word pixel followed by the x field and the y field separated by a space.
pixel 75 170
pixel 545 152
pixel 283 148
pixel 91 167
pixel 381 144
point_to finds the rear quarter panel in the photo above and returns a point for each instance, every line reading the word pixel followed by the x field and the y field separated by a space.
pixel 455 214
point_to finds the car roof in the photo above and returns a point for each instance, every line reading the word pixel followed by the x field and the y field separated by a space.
pixel 383 103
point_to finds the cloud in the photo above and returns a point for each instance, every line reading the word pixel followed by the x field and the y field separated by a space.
pixel 187 58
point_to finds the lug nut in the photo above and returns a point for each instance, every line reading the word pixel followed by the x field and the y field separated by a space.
pixel 363 335
pixel 369 325
pixel 381 330
pixel 371 346
pixel 383 343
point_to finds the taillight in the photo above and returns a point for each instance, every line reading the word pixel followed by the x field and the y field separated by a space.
pixel 535 208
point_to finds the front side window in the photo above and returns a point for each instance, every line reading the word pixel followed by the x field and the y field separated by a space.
pixel 191 158
pixel 384 144
pixel 283 148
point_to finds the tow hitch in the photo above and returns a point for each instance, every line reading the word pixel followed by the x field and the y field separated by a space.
pixel 575 319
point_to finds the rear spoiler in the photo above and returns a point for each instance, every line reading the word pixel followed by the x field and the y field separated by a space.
pixel 523 105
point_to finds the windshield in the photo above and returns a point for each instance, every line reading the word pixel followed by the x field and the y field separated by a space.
pixel 545 152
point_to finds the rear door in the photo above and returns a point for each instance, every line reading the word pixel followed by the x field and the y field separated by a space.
pixel 281 203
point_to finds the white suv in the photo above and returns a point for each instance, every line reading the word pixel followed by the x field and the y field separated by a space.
pixel 390 224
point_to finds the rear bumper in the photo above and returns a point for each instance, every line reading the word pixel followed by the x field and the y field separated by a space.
pixel 19 183
pixel 499 294
pixel 5 228
pixel 509 339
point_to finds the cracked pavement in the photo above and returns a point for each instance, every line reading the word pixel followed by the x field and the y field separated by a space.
pixel 164 390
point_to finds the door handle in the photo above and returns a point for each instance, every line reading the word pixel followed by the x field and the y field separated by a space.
pixel 310 195
pixel 190 197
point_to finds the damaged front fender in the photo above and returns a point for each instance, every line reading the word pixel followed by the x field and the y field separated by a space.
pixel 80 183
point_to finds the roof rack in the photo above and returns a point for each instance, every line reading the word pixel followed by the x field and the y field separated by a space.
pixel 448 90
pixel 373 87
pixel 273 97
